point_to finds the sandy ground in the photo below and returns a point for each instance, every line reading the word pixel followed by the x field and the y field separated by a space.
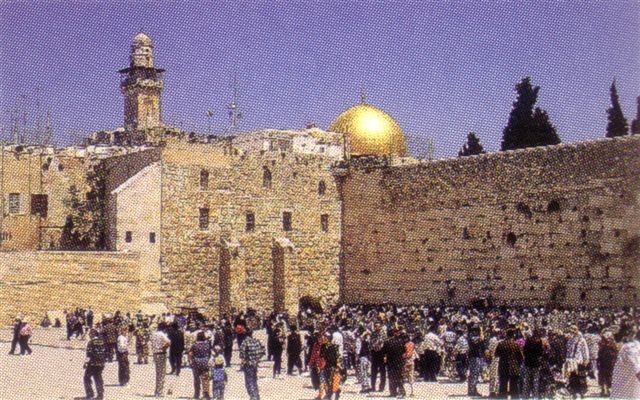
pixel 54 371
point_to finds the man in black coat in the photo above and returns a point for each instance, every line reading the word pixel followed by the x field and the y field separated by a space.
pixel 394 349
pixel 510 355
pixel 294 349
pixel 176 349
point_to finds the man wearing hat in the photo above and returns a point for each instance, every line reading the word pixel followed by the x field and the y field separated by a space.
pixel 16 334
pixel 94 365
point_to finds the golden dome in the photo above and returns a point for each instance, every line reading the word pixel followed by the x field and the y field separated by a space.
pixel 371 131
pixel 142 39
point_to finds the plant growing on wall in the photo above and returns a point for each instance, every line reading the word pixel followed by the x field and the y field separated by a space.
pixel 84 227
pixel 528 126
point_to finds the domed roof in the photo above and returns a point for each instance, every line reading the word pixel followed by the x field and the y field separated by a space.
pixel 142 39
pixel 371 131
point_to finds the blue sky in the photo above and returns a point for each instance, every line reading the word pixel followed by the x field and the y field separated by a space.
pixel 441 69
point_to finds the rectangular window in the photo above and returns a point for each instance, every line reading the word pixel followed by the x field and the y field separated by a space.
pixel 286 220
pixel 204 180
pixel 14 203
pixel 203 220
pixel 324 222
pixel 128 236
pixel 152 237
pixel 250 222
pixel 39 205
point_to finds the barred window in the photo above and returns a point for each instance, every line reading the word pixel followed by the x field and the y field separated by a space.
pixel 204 180
pixel 322 188
pixel 250 221
pixel 266 178
pixel 286 221
pixel 14 203
pixel 203 220
pixel 324 222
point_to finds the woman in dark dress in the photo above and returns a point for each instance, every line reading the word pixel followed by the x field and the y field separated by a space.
pixel 607 355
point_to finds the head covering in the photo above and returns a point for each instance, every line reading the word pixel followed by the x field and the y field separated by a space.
pixel 219 361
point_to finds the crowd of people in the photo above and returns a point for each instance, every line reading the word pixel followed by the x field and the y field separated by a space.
pixel 519 352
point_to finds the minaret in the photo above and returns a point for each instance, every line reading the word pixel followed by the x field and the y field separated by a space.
pixel 141 85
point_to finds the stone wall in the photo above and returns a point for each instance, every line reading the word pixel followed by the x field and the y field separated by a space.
pixel 557 224
pixel 224 265
pixel 33 283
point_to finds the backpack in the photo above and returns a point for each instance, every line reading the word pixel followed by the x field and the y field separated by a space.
pixel 217 374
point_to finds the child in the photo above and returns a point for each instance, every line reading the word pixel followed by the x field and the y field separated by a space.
pixel 219 377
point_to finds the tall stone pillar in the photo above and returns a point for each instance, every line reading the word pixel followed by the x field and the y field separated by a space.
pixel 286 288
pixel 232 275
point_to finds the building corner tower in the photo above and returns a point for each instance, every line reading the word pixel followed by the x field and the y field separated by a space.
pixel 141 85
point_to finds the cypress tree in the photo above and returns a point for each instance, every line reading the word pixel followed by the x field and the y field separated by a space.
pixel 635 124
pixel 617 125
pixel 472 147
pixel 528 126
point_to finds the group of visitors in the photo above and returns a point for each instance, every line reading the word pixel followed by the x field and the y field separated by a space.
pixel 519 352
pixel 22 331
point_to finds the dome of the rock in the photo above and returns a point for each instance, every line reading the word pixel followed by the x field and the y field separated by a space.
pixel 371 131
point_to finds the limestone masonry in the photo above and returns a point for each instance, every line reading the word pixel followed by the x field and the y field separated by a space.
pixel 552 225
pixel 162 219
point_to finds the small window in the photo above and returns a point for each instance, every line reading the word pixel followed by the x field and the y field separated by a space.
pixel 14 203
pixel 286 220
pixel 250 221
pixel 322 188
pixel 204 180
pixel 203 220
pixel 266 178
pixel 60 167
pixel 128 236
pixel 152 237
pixel 324 222
pixel 39 205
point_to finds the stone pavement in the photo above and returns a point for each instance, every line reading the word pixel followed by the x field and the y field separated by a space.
pixel 54 371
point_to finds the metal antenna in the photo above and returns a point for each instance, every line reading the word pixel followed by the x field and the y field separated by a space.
pixel 48 132
pixel 363 95
pixel 234 113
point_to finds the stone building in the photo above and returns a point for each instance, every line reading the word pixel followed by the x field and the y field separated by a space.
pixel 262 219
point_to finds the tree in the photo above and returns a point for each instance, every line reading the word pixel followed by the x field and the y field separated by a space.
pixel 617 125
pixel 528 126
pixel 635 125
pixel 472 147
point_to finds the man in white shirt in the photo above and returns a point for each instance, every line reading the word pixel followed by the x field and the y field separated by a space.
pixel 159 344
pixel 626 372
pixel 122 356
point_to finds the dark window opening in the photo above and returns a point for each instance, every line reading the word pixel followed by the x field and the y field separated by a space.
pixel 511 239
pixel 250 222
pixel 324 222
pixel 60 167
pixel 13 203
pixel 203 219
pixel 39 205
pixel 465 233
pixel 583 296
pixel 553 206
pixel 204 180
pixel 266 178
pixel 286 221
pixel 322 188
pixel 152 237
pixel 524 209
pixel 128 236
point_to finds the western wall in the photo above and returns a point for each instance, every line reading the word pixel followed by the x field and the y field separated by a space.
pixel 548 225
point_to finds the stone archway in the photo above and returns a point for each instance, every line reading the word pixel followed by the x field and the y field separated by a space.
pixel 285 281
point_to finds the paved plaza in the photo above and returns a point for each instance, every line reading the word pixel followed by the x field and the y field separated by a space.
pixel 54 371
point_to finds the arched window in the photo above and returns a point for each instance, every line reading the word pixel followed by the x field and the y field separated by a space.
pixel 266 178
pixel 322 188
